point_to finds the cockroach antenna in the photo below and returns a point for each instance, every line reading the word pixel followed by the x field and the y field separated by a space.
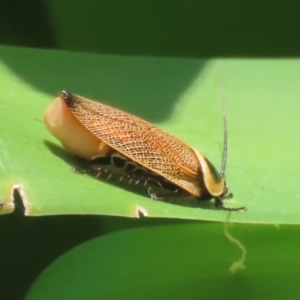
pixel 225 139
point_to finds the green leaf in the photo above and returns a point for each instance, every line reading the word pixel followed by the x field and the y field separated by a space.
pixel 186 261
pixel 182 96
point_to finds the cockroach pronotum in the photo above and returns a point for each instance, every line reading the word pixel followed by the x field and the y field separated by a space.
pixel 93 130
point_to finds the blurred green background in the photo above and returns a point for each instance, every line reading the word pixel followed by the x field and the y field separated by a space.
pixel 190 28
pixel 200 29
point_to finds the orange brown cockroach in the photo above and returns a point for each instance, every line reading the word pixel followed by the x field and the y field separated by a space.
pixel 99 133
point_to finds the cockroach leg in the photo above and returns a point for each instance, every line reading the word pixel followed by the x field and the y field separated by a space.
pixel 164 194
pixel 220 205
pixel 80 171
pixel 153 195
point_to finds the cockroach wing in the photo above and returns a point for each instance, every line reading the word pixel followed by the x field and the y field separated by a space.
pixel 140 141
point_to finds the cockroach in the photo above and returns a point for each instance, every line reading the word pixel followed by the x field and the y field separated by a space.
pixel 93 130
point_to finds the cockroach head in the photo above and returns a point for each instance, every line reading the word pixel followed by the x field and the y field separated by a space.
pixel 225 194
